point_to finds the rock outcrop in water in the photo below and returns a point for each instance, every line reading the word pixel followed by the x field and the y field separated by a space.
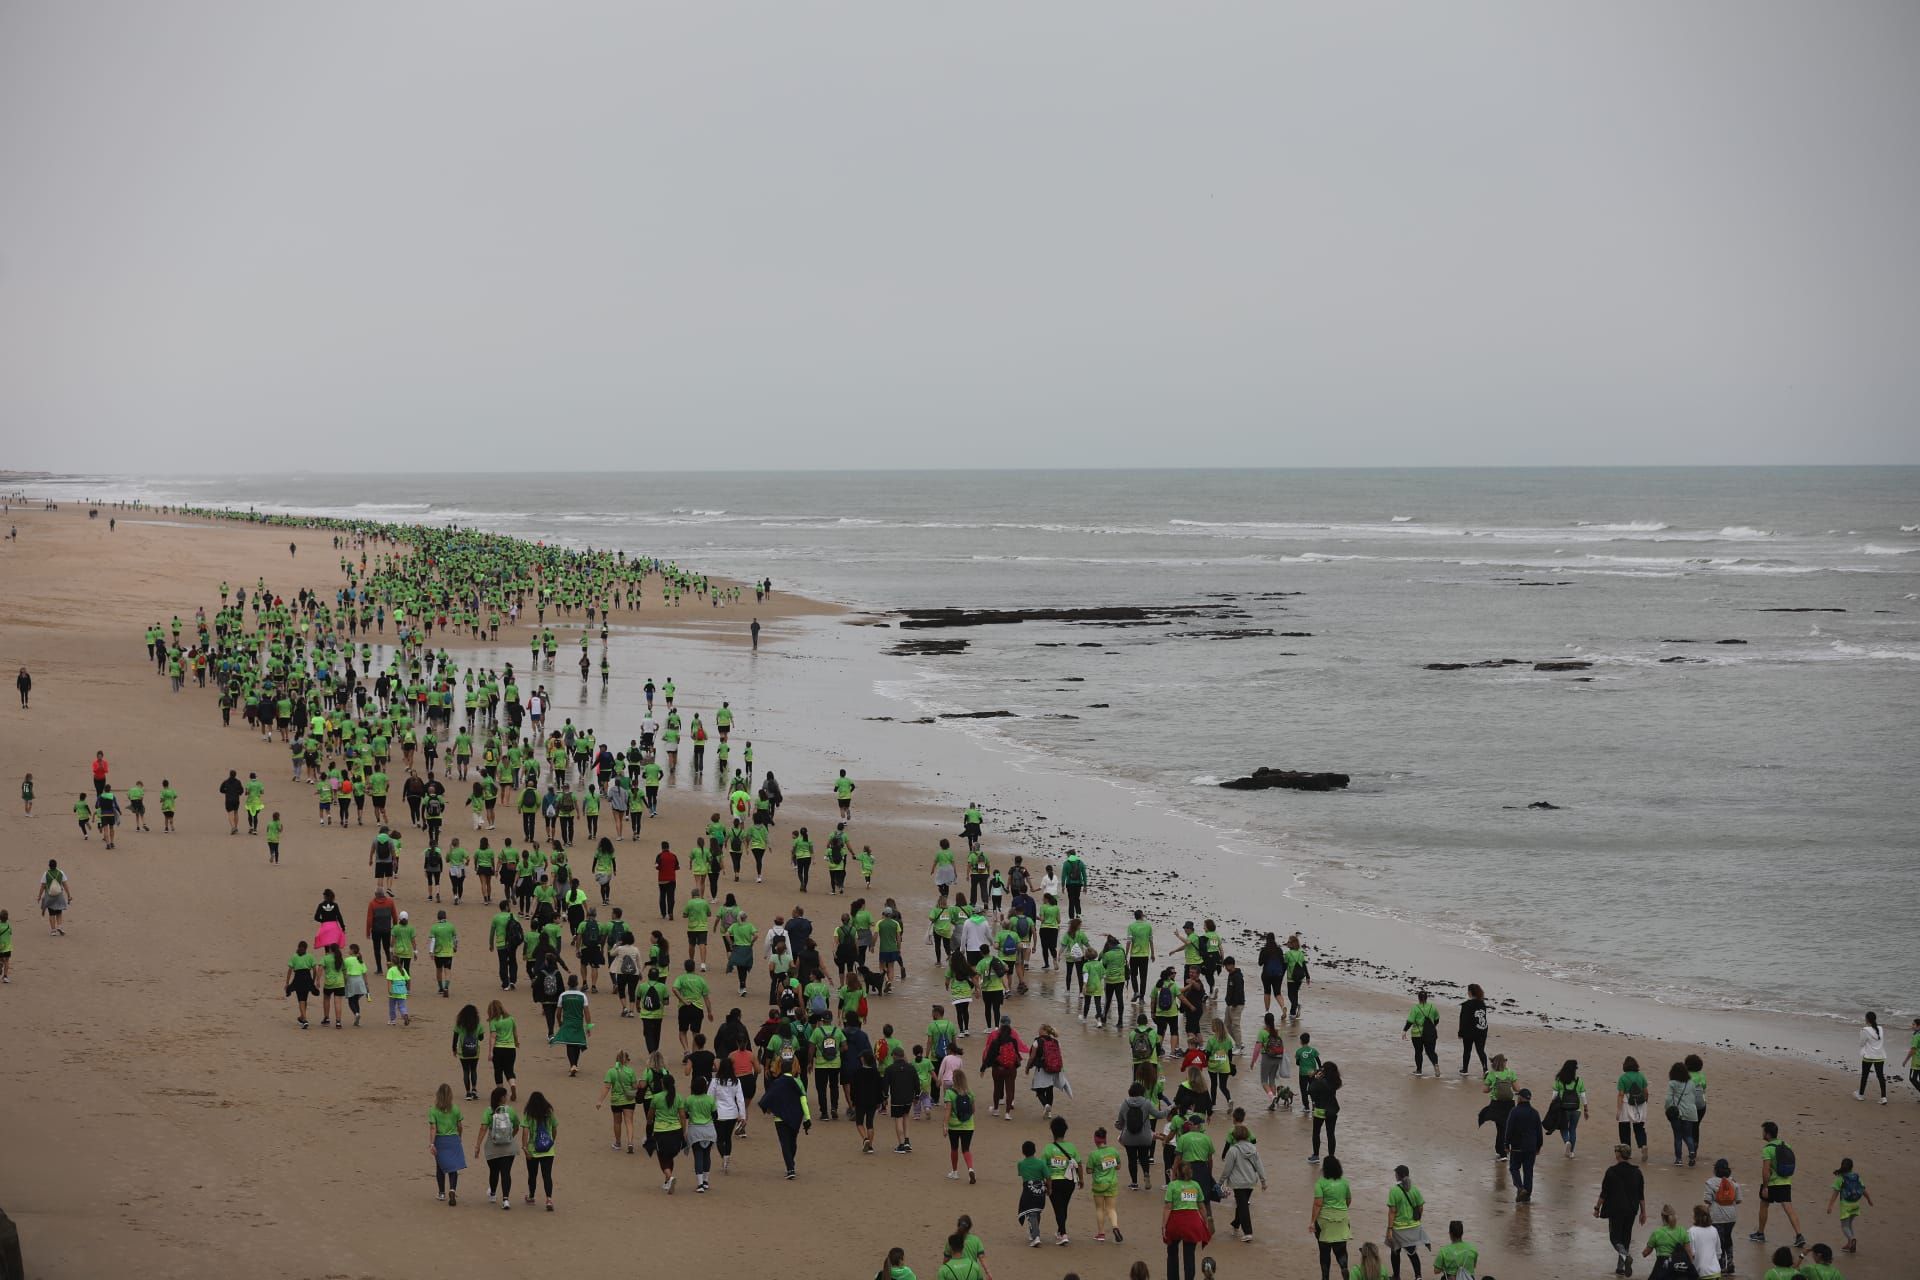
pixel 1114 614
pixel 927 648
pixel 1293 780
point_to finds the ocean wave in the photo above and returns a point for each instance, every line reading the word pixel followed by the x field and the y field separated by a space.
pixel 1875 549
pixel 1742 533
pixel 1630 526
pixel 1204 780
pixel 1403 519
pixel 1882 653
pixel 1910 528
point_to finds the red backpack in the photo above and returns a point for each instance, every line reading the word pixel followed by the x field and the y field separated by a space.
pixel 1009 1052
pixel 1050 1059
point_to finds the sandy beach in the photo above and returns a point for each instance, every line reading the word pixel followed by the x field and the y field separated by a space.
pixel 165 1111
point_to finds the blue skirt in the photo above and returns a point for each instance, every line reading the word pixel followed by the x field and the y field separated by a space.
pixel 447 1154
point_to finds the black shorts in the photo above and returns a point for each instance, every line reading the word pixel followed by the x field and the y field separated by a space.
pixel 898 1109
pixel 1777 1195
pixel 618 1107
pixel 443 963
pixel 690 1016
pixel 382 869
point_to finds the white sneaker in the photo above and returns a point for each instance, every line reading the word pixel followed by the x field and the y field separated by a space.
pixel 953 1175
pixel 1859 1097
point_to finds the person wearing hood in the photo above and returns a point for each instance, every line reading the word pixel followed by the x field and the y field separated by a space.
pixel 1525 1136
pixel 1240 1172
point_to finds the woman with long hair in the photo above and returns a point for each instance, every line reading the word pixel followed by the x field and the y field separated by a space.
pixel 1571 1092
pixel 1323 1094
pixel 1332 1226
pixel 467 1038
pixel 446 1131
pixel 504 1039
pixel 496 1140
pixel 961 1121
pixel 538 1136
pixel 573 1028
pixel 700 1111
pixel 729 1109
pixel 666 1123
pixel 300 984
pixel 1184 1224
pixel 620 1091
pixel 333 986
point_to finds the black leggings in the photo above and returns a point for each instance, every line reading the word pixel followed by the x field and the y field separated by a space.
pixel 1637 1131
pixel 1470 1045
pixel 1337 1251
pixel 1873 1068
pixel 470 1075
pixel 500 1176
pixel 723 1136
pixel 1217 1080
pixel 539 1170
pixel 1060 1192
pixel 445 1180
pixel 503 1065
pixel 1139 1165
pixel 1327 1121
pixel 1424 1051
pixel 1413 1255
pixel 1180 1259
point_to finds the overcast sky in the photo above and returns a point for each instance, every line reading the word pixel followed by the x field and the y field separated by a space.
pixel 241 236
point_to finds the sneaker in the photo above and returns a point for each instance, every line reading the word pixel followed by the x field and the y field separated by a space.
pixel 549 1206
pixel 441 1196
pixel 1799 1241
pixel 953 1175
pixel 453 1198
pixel 667 1186
pixel 1246 1237
pixel 1062 1240
pixel 1757 1238
pixel 1099 1237
pixel 1117 1237
pixel 971 1180
pixel 1859 1097
pixel 1033 1242
pixel 1313 1159
pixel 506 1203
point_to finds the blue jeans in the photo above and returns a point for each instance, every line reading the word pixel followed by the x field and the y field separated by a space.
pixel 1570 1128
pixel 1520 1165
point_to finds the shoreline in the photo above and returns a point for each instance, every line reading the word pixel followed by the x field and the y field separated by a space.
pixel 792 689
pixel 1368 929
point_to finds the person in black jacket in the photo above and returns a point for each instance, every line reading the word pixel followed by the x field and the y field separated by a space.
pixel 1525 1136
pixel 865 1092
pixel 786 1101
pixel 903 1086
pixel 1236 1003
pixel 1473 1028
pixel 1623 1197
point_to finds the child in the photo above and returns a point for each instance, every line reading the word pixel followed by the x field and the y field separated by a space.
pixel 6 947
pixel 1849 1193
pixel 866 864
pixel 26 794
pixel 169 798
pixel 397 980
pixel 923 1067
pixel 1032 1172
pixel 274 828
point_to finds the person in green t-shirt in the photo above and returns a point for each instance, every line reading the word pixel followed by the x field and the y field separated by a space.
pixel 621 1094
pixel 1666 1237
pixel 274 830
pixel 1456 1257
pixel 1065 1169
pixel 446 1129
pixel 1423 1028
pixel 1103 1184
pixel 1821 1267
pixel 961 1123
pixel 443 940
pixel 1775 1187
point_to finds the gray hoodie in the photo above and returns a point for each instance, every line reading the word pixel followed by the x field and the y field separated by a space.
pixel 1240 1168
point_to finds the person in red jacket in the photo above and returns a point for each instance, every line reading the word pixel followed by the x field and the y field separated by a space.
pixel 667 863
pixel 382 913
pixel 99 772
pixel 1003 1056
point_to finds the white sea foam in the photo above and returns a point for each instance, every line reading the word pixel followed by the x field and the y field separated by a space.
pixel 1741 532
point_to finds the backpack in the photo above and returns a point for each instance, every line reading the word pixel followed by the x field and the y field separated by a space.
pixel 542 1139
pixel 1163 999
pixel 1008 1054
pixel 550 985
pixel 515 933
pixel 1637 1096
pixel 470 1044
pixel 629 965
pixel 941 1044
pixel 650 998
pixel 1783 1160
pixel 1010 946
pixel 1136 1121
pixel 1276 1047
pixel 1726 1193
pixel 1851 1188
pixel 1050 1059
pixel 1503 1091
pixel 829 1049
pixel 816 1004
pixel 590 933
pixel 963 1107
pixel 500 1128
pixel 1143 1043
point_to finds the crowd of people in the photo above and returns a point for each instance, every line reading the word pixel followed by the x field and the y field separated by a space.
pixel 362 712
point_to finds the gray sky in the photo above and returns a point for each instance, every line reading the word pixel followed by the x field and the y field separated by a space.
pixel 239 236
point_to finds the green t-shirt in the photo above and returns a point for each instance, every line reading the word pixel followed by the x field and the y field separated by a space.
pixel 1307 1058
pixel 690 988
pixel 1194 1144
pixel 1422 1018
pixel 1663 1240
pixel 1030 1169
pixel 446 1123
pixel 1140 938
pixel 1454 1258
pixel 1061 1157
pixel 666 1113
pixel 443 934
pixel 504 1032
pixel 1403 1203
pixel 1103 1164
pixel 699 1108
pixel 1182 1194
pixel 620 1080
pixel 954 1122
pixel 1768 1153
pixel 1506 1076
pixel 697 911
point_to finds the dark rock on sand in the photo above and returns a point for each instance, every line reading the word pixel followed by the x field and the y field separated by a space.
pixel 1298 635
pixel 1242 634
pixel 1292 779
pixel 1562 664
pixel 975 715
pixel 1800 609
pixel 1462 666
pixel 1097 706
pixel 1729 641
pixel 1089 644
pixel 1537 804
pixel 1681 657
pixel 1543 584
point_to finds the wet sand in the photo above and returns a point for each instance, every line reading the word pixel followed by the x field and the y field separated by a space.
pixel 164 1110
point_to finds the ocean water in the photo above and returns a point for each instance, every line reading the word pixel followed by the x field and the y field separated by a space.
pixel 1735 828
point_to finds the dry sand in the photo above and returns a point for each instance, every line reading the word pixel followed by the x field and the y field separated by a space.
pixel 164 1113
